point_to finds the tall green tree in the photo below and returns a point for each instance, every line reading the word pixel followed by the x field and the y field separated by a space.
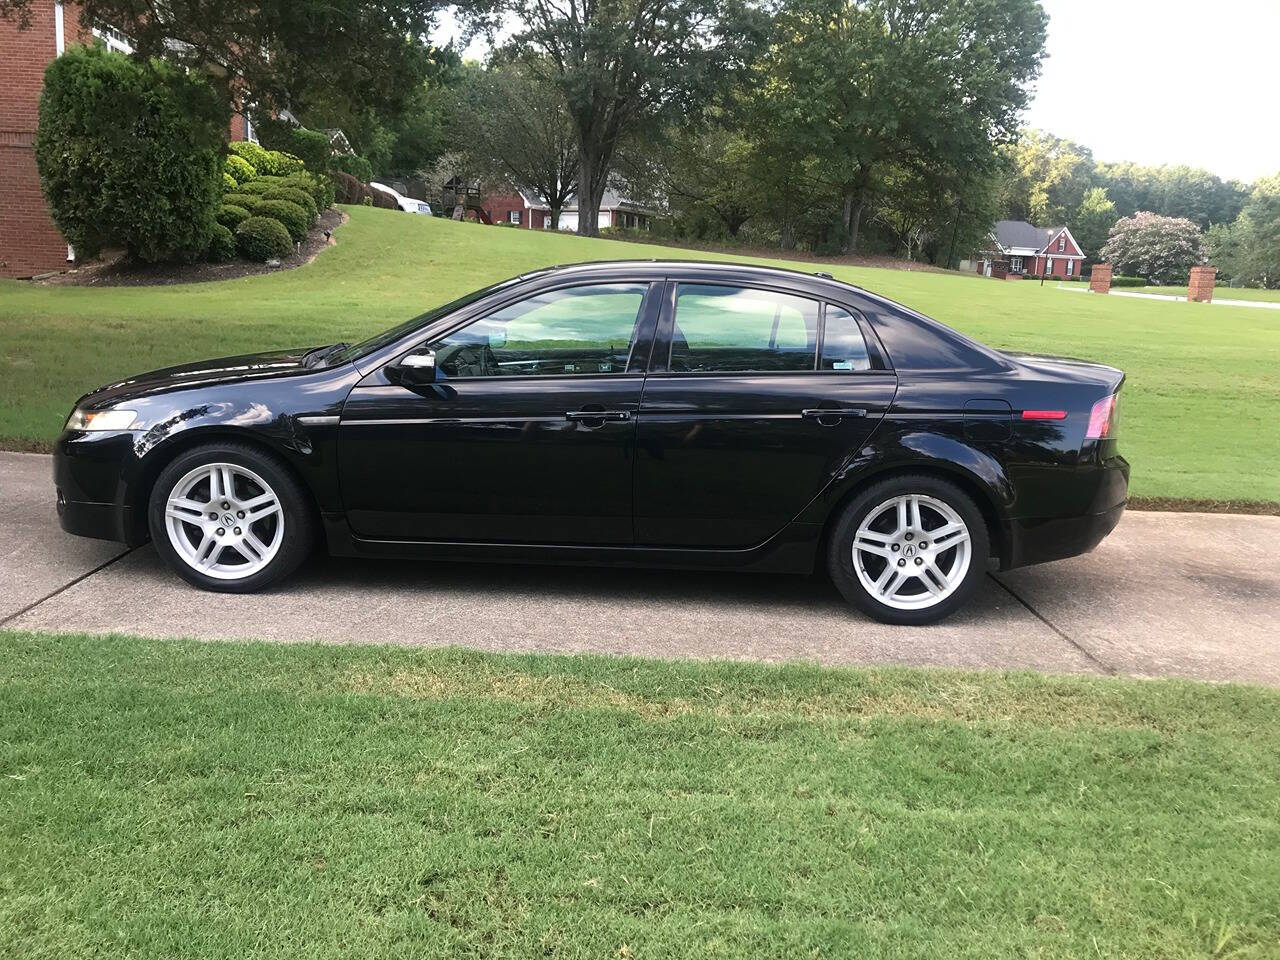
pixel 1092 222
pixel 623 64
pixel 1048 179
pixel 1256 236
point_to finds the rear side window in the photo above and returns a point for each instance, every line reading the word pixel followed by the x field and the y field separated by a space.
pixel 843 346
pixel 741 329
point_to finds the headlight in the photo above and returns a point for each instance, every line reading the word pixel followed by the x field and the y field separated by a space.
pixel 101 419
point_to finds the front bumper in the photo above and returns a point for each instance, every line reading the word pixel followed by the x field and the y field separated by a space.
pixel 91 473
pixel 1033 540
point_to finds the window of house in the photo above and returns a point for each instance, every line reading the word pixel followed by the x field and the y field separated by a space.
pixel 513 216
pixel 1015 264
pixel 1062 242
pixel 574 331
pixel 740 329
pixel 1048 266
pixel 1070 265
pixel 843 346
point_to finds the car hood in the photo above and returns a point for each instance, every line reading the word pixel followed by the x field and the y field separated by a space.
pixel 225 370
pixel 1069 368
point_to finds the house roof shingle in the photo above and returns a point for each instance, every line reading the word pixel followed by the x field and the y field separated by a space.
pixel 1019 233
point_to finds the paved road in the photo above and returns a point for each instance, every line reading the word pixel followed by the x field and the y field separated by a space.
pixel 1167 594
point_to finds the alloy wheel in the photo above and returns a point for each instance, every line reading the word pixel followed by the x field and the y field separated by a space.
pixel 912 551
pixel 224 520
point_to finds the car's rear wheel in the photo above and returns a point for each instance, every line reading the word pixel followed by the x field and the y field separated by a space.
pixel 226 517
pixel 910 549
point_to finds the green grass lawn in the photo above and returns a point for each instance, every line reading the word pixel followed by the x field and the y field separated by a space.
pixel 1221 293
pixel 1199 414
pixel 180 799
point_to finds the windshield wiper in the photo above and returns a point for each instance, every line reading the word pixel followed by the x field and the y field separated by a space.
pixel 320 354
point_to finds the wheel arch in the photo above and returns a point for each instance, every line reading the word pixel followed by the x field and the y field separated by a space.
pixel 151 465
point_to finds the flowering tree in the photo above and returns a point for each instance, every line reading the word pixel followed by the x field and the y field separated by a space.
pixel 1159 248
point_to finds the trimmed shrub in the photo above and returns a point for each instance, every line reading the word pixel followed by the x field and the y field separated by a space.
pixel 130 154
pixel 294 217
pixel 277 163
pixel 311 146
pixel 246 200
pixel 294 196
pixel 257 188
pixel 320 187
pixel 249 151
pixel 261 238
pixel 228 181
pixel 1130 282
pixel 358 167
pixel 223 245
pixel 240 169
pixel 347 189
pixel 383 200
pixel 231 216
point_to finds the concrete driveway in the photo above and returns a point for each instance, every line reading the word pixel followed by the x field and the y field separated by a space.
pixel 1195 595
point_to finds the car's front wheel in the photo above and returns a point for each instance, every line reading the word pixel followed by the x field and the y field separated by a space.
pixel 909 549
pixel 226 517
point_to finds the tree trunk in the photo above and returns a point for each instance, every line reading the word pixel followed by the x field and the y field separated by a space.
pixel 855 200
pixel 555 217
pixel 588 197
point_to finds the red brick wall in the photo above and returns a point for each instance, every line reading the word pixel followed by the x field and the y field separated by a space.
pixel 498 205
pixel 29 242
pixel 1200 284
pixel 1100 278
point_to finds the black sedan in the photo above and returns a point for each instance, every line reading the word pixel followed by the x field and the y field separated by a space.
pixel 691 415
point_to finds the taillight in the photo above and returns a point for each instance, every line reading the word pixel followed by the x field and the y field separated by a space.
pixel 1102 419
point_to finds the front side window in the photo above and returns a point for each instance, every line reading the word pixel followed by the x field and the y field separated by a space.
pixel 843 346
pixel 575 331
pixel 740 329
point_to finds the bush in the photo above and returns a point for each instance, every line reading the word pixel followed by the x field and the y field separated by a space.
pixel 246 200
pixel 240 169
pixel 1130 282
pixel 357 167
pixel 130 154
pixel 262 238
pixel 311 146
pixel 294 217
pixel 294 196
pixel 383 200
pixel 260 186
pixel 230 215
pixel 250 152
pixel 319 187
pixel 222 247
pixel 347 189
pixel 277 163
pixel 228 181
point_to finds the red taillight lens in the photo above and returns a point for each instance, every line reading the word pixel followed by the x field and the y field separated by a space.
pixel 1044 414
pixel 1101 418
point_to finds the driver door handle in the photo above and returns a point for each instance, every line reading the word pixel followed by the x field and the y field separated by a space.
pixel 598 415
pixel 823 413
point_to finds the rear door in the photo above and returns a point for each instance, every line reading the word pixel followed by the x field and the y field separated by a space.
pixel 755 399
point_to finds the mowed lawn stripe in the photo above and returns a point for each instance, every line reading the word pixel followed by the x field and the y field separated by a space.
pixel 164 799
pixel 1198 418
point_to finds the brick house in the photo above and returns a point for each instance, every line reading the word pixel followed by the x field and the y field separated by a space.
pixel 1016 249
pixel 521 209
pixel 29 242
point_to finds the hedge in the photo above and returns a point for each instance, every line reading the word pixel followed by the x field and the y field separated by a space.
pixel 246 200
pixel 230 215
pixel 279 164
pixel 260 186
pixel 1130 282
pixel 228 181
pixel 240 169
pixel 320 187
pixel 248 151
pixel 299 197
pixel 262 238
pixel 294 217
pixel 130 154
pixel 383 199
pixel 347 188
pixel 222 246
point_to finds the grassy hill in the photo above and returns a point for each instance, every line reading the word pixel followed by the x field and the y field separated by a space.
pixel 1199 416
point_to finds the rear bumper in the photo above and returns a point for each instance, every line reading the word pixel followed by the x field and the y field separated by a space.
pixel 1033 540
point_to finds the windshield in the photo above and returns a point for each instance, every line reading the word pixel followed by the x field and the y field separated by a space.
pixel 380 340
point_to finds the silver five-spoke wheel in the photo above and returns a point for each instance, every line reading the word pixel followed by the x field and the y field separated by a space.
pixel 224 521
pixel 912 551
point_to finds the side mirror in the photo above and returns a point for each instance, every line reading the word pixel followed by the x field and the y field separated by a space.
pixel 415 369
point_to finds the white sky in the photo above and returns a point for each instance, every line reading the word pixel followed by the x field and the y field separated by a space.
pixel 1152 81
pixel 1165 81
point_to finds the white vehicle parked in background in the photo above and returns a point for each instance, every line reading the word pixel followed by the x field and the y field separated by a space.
pixel 407 204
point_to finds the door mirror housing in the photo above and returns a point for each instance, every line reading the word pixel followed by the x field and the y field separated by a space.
pixel 415 369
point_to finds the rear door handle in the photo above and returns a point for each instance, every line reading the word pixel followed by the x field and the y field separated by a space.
pixel 598 415
pixel 826 413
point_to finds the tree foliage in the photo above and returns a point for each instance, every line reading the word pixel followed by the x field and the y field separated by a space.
pixel 1092 222
pixel 129 154
pixel 1162 249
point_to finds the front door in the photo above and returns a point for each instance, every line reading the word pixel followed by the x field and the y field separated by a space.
pixel 526 435
pixel 755 401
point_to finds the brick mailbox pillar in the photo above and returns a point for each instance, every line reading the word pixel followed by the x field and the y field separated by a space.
pixel 1200 289
pixel 1100 278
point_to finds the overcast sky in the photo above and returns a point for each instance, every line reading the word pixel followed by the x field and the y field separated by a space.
pixel 1154 81
pixel 1165 81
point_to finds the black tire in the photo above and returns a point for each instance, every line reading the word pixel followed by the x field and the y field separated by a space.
pixel 299 524
pixel 840 554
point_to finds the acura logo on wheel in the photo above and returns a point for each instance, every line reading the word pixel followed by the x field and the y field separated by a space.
pixel 229 520
pixel 910 551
